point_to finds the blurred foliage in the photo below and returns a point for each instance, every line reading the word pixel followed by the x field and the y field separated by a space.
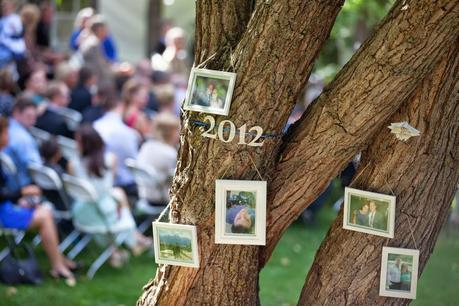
pixel 354 23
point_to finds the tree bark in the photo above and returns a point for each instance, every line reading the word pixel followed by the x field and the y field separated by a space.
pixel 369 89
pixel 273 54
pixel 229 273
pixel 422 173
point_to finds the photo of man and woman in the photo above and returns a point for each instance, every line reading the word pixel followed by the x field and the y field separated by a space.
pixel 240 212
pixel 369 212
pixel 399 272
pixel 210 91
pixel 175 244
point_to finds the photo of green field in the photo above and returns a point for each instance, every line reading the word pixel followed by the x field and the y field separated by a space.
pixel 175 245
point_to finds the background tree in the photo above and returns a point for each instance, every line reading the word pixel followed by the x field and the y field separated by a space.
pixel 272 45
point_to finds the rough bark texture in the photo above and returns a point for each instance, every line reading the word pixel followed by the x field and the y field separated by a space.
pixel 272 50
pixel 369 89
pixel 264 86
pixel 422 173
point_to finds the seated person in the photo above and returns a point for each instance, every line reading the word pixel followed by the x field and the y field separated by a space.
pixel 35 86
pixel 22 147
pixel 111 209
pixel 160 153
pixel 20 209
pixel 51 120
pixel 122 141
pixel 81 96
pixel 52 157
pixel 239 215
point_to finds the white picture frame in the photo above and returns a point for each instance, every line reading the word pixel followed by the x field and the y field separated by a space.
pixel 229 196
pixel 210 91
pixel 178 233
pixel 354 217
pixel 399 290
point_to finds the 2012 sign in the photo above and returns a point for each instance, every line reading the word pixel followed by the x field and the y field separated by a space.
pixel 230 127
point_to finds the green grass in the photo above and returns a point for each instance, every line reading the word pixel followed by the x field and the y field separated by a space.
pixel 280 282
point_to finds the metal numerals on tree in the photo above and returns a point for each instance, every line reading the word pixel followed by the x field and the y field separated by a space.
pixel 255 131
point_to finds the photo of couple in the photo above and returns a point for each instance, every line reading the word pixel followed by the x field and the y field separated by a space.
pixel 399 272
pixel 369 212
pixel 210 91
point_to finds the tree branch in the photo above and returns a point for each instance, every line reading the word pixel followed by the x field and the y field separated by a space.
pixel 218 24
pixel 369 89
pixel 423 174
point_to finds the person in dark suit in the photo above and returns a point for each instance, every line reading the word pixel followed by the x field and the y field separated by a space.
pixel 81 96
pixel 51 120
pixel 376 218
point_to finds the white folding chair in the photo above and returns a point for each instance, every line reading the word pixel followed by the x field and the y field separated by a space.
pixel 144 177
pixel 18 235
pixel 8 164
pixel 72 117
pixel 39 134
pixel 68 147
pixel 47 179
pixel 84 191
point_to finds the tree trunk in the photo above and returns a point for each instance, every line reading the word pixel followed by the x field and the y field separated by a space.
pixel 422 173
pixel 363 96
pixel 154 25
pixel 272 50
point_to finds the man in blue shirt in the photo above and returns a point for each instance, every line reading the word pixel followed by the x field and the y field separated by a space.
pixel 22 147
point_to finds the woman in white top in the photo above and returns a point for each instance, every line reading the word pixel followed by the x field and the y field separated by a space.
pixel 111 209
pixel 159 154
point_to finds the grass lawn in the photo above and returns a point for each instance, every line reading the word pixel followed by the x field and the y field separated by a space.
pixel 281 281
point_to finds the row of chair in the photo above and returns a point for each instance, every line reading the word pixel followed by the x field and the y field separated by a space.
pixel 81 236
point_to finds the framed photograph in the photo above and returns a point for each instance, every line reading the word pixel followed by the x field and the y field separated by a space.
pixel 399 273
pixel 369 212
pixel 240 212
pixel 175 244
pixel 210 91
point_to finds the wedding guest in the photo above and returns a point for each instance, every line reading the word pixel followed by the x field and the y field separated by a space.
pixel 6 88
pixel 51 119
pixel 176 56
pixel 22 147
pixel 82 95
pixel 112 209
pixel 92 51
pixel 135 98
pixel 36 85
pixel 160 154
pixel 122 141
pixel 17 211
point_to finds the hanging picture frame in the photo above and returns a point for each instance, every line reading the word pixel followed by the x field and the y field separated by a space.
pixel 175 244
pixel 240 212
pixel 399 272
pixel 210 91
pixel 369 212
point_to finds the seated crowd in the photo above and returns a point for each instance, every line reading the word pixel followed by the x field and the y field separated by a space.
pixel 110 111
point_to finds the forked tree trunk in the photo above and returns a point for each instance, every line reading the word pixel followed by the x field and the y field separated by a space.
pixel 422 173
pixel 272 50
